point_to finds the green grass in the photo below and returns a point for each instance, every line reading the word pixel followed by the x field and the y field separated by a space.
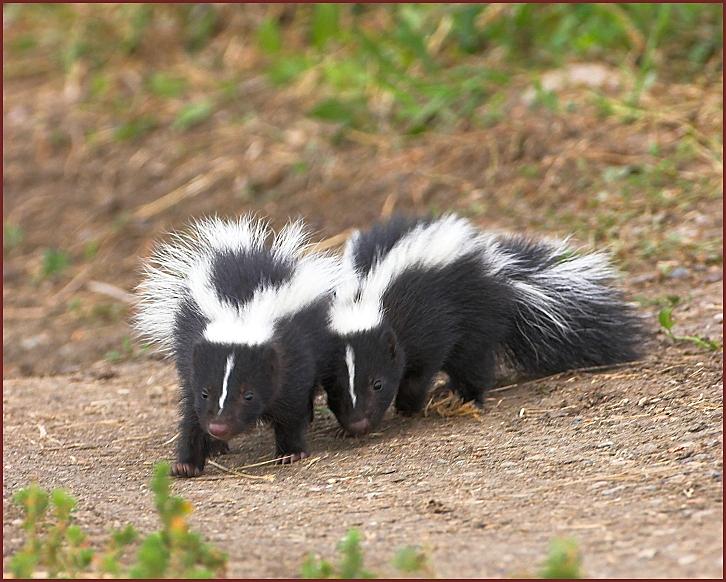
pixel 165 85
pixel 136 128
pixel 410 67
pixel 563 561
pixel 421 58
pixel 54 263
pixel 125 351
pixel 350 563
pixel 193 114
pixel 58 547
pixel 12 236
pixel 665 318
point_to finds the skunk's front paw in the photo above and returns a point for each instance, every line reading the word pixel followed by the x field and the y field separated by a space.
pixel 186 470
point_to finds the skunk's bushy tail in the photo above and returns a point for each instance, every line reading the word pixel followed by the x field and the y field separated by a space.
pixel 568 313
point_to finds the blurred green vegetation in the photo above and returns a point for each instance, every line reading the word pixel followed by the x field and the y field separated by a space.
pixel 404 67
pixel 56 547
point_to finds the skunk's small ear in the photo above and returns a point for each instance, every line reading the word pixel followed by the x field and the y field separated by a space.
pixel 388 337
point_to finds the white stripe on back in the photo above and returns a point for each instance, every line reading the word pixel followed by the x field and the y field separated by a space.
pixel 358 304
pixel 181 271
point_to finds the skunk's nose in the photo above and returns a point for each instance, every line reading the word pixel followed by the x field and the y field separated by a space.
pixel 359 427
pixel 219 430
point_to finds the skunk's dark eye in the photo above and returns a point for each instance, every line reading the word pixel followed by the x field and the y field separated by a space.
pixel 248 396
pixel 377 385
pixel 205 394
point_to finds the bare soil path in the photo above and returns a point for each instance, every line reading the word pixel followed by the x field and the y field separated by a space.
pixel 627 461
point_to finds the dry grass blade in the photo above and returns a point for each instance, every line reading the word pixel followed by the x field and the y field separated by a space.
pixel 449 404
pixel 111 291
pixel 171 440
pixel 261 463
pixel 389 205
pixel 195 186
pixel 192 188
pixel 331 242
pixel 268 478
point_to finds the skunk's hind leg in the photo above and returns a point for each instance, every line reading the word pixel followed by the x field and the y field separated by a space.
pixel 290 443
pixel 471 371
pixel 413 390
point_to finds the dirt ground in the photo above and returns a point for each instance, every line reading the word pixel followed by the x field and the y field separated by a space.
pixel 627 461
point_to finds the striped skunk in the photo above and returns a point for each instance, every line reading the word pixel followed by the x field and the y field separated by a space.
pixel 421 295
pixel 245 320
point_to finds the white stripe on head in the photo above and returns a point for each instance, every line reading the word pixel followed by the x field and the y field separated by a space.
pixel 227 372
pixel 428 246
pixel 350 363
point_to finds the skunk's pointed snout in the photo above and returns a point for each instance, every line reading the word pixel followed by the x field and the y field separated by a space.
pixel 359 427
pixel 220 430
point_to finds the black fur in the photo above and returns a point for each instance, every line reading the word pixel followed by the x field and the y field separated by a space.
pixel 459 319
pixel 273 382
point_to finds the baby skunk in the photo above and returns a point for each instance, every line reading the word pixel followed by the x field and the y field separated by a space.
pixel 246 323
pixel 422 295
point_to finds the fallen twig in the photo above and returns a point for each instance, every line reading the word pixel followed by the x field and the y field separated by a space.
pixel 111 291
pixel 243 475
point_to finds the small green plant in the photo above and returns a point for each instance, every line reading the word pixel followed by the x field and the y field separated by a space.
pixel 192 114
pixel 55 261
pixel 164 85
pixel 135 128
pixel 563 561
pixel 268 36
pixel 665 318
pixel 90 249
pixel 107 311
pixel 12 236
pixel 125 352
pixel 407 560
pixel 411 560
pixel 350 565
pixel 60 548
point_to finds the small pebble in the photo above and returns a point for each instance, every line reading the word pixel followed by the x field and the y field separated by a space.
pixel 679 273
pixel 713 277
pixel 647 553
pixel 612 490
pixel 718 318
pixel 648 448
